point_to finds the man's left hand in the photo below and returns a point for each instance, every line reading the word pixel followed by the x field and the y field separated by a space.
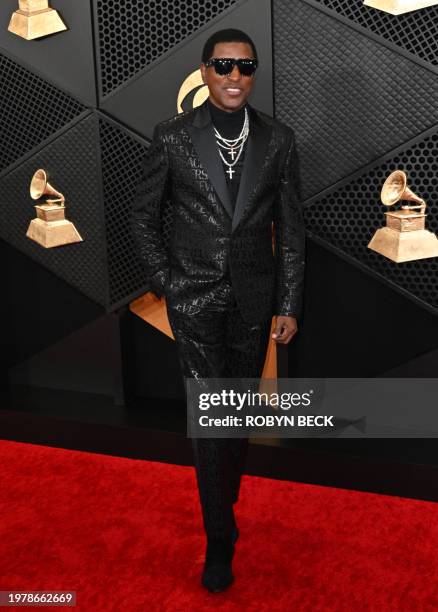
pixel 285 329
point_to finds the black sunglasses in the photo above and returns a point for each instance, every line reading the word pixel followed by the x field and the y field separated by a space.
pixel 225 65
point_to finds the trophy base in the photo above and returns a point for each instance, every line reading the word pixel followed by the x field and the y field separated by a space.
pixel 404 246
pixel 31 25
pixel 53 233
pixel 398 7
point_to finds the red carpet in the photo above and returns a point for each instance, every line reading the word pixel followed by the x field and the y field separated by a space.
pixel 126 536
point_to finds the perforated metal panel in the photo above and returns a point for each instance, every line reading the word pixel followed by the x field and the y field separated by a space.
pixel 416 32
pixel 66 58
pixel 122 157
pixel 348 217
pixel 31 110
pixel 71 163
pixel 349 98
pixel 134 33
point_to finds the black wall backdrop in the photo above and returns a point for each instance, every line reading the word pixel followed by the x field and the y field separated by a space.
pixel 360 89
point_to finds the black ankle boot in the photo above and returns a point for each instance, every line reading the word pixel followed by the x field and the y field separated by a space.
pixel 217 574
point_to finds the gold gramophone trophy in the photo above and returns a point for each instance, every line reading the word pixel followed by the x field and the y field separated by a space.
pixel 35 18
pixel 50 228
pixel 404 238
pixel 398 7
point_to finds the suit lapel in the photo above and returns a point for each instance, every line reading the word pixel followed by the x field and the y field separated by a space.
pixel 204 141
pixel 203 138
pixel 258 139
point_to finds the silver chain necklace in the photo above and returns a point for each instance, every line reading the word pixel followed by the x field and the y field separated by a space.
pixel 233 146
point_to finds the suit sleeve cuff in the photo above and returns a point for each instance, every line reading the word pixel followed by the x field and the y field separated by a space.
pixel 158 281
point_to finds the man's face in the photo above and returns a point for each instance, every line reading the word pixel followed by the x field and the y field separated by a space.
pixel 229 92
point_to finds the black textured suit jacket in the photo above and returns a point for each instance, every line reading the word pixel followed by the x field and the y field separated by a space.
pixel 183 165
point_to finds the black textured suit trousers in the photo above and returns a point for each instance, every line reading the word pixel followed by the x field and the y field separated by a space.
pixel 218 343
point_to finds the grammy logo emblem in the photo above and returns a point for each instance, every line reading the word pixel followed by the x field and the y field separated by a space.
pixel 50 228
pixel 404 238
pixel 193 83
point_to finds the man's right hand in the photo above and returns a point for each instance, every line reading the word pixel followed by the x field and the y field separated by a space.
pixel 285 329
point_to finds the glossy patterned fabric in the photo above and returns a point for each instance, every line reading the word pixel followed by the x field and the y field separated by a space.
pixel 218 343
pixel 207 240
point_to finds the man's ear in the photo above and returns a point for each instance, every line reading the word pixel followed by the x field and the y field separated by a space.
pixel 202 68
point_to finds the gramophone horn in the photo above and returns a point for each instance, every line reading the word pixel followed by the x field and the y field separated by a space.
pixel 39 186
pixel 395 188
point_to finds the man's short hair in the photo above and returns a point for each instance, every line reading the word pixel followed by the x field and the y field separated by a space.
pixel 229 35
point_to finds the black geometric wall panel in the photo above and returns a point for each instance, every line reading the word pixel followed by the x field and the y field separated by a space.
pixel 31 110
pixel 415 32
pixel 122 158
pixel 81 361
pixel 152 96
pixel 33 291
pixel 355 324
pixel 134 33
pixel 71 163
pixel 348 217
pixel 65 58
pixel 350 99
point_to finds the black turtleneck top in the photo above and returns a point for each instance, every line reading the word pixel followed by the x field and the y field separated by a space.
pixel 229 125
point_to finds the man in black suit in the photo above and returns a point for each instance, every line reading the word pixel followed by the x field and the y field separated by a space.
pixel 231 175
